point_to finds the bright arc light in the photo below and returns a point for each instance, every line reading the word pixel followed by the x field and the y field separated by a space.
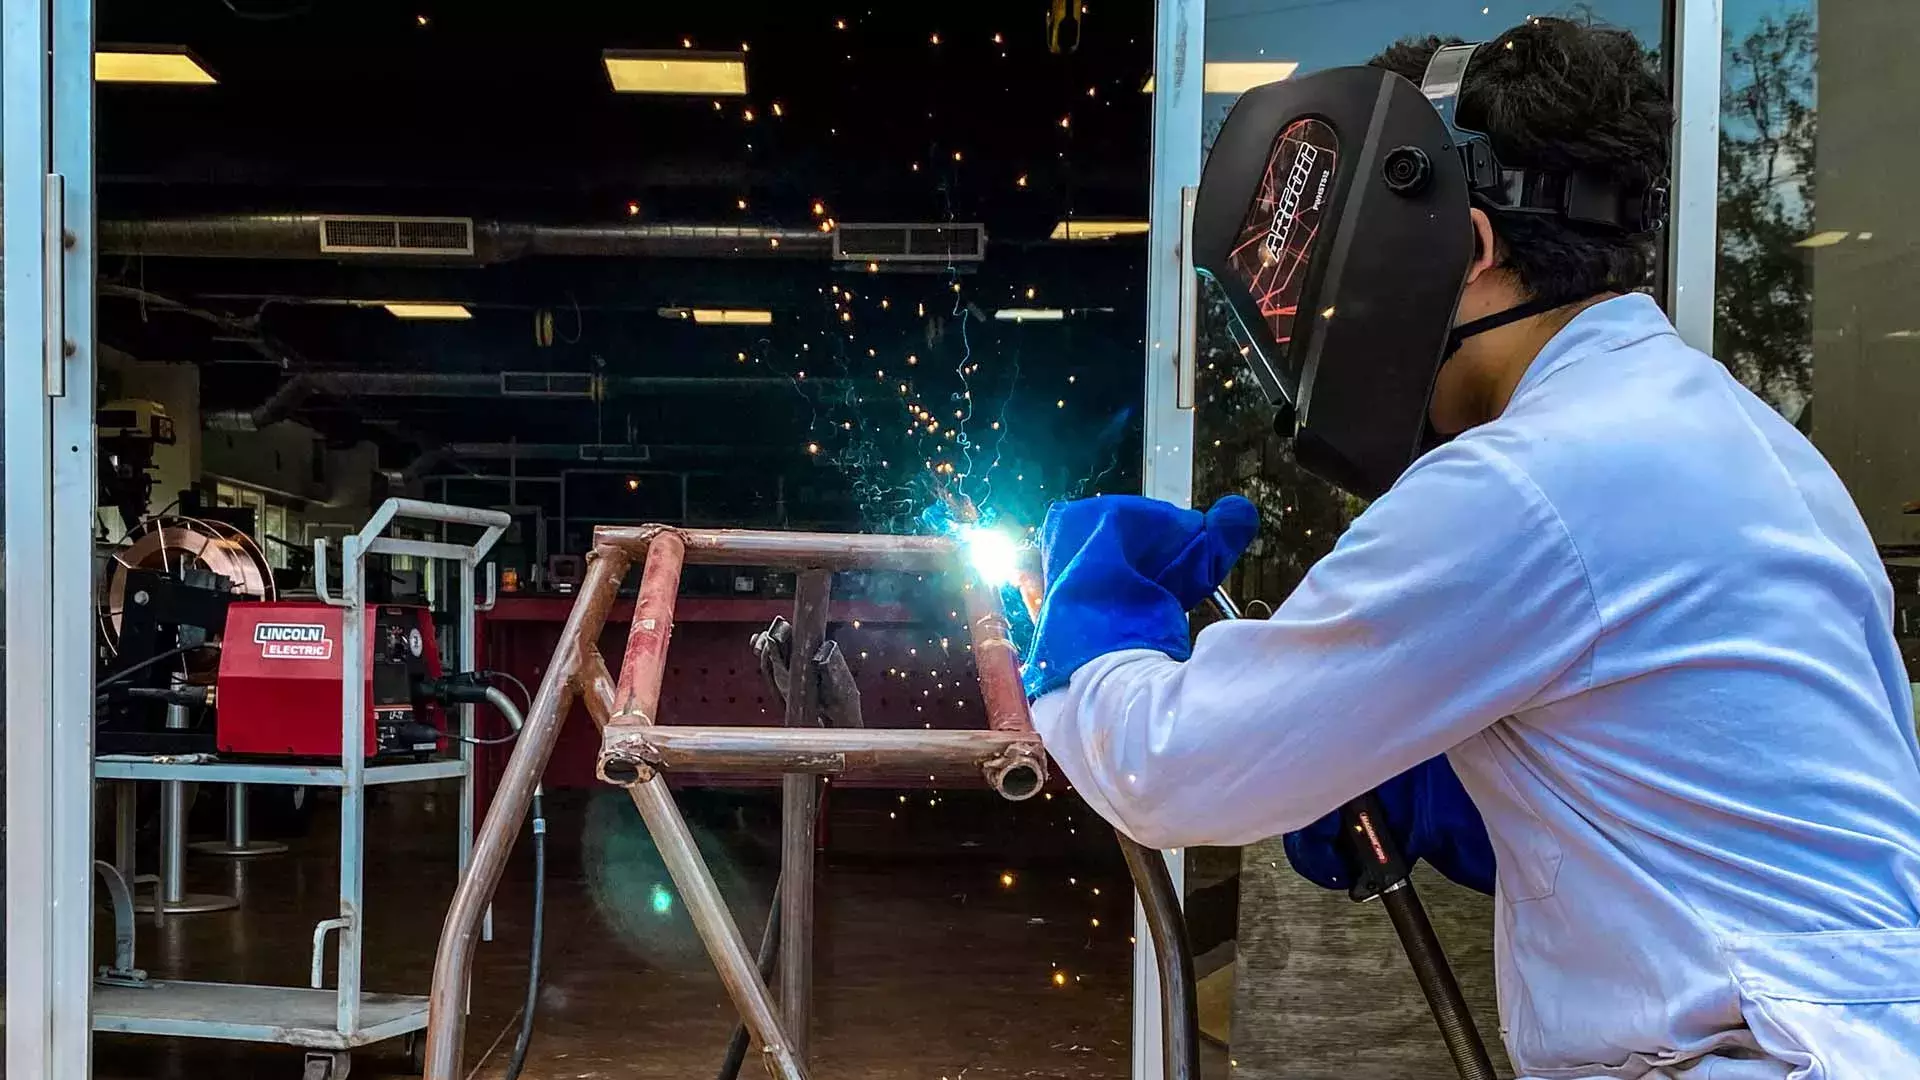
pixel 427 311
pixel 994 555
pixel 676 72
pixel 150 64
pixel 661 900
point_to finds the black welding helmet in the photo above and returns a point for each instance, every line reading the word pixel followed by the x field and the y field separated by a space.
pixel 1333 217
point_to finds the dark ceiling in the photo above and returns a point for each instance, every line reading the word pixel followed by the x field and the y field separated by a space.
pixel 503 114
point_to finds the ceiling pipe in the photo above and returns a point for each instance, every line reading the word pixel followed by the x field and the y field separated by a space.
pixel 309 384
pixel 297 236
pixel 425 464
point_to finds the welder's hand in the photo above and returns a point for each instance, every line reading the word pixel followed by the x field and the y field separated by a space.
pixel 1430 815
pixel 1122 572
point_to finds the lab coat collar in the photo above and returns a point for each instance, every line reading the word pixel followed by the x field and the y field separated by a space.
pixel 1604 327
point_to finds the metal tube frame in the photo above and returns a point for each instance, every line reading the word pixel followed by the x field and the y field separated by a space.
pixel 633 752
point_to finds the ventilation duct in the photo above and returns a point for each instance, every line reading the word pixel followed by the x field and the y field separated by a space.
pixel 459 240
pixel 363 384
pixel 909 243
pixel 396 236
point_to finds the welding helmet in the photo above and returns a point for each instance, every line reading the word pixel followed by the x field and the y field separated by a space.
pixel 1333 217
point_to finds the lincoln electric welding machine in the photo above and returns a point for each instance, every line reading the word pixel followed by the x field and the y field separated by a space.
pixel 1334 217
pixel 280 676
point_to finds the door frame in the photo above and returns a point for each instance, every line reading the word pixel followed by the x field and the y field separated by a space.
pixel 47 54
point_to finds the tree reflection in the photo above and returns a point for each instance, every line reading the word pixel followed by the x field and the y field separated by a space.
pixel 1763 300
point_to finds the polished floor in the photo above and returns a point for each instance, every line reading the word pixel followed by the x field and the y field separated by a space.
pixel 958 937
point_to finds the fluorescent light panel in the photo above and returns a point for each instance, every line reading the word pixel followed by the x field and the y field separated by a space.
pixel 164 64
pixel 1080 229
pixel 732 317
pixel 1822 239
pixel 1240 76
pixel 1017 314
pixel 702 74
pixel 405 310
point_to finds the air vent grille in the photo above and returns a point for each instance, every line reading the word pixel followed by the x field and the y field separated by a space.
pixel 910 243
pixel 546 384
pixel 623 452
pixel 368 235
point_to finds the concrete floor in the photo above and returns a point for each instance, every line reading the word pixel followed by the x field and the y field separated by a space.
pixel 927 966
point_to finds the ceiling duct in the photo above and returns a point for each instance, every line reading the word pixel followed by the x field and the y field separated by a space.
pixel 909 243
pixel 367 384
pixel 324 236
pixel 546 384
pixel 396 236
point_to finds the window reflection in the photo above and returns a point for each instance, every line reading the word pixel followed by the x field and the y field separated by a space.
pixel 1817 266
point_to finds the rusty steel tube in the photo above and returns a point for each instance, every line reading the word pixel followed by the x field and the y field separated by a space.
pixel 789 550
pixel 447 1004
pixel 738 969
pixel 823 751
pixel 637 693
pixel 995 662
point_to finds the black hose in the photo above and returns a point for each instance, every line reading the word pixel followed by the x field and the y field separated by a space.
pixel 1179 997
pixel 525 1038
pixel 769 953
pixel 147 663
pixel 1438 984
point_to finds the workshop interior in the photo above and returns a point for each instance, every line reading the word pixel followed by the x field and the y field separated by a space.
pixel 415 368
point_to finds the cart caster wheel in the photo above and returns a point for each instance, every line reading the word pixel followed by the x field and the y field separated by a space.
pixel 327 1065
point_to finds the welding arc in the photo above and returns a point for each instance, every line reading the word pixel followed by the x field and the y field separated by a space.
pixel 1422 946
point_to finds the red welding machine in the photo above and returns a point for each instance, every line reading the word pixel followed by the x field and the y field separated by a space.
pixel 279 690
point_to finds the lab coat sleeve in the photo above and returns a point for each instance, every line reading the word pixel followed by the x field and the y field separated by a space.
pixel 1456 599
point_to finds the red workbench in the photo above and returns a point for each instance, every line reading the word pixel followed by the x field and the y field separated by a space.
pixel 712 678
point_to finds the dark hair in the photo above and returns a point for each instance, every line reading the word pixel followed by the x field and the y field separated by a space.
pixel 1560 95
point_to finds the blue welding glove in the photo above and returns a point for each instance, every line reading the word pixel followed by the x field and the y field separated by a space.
pixel 1428 812
pixel 1122 573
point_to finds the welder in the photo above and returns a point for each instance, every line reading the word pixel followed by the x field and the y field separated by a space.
pixel 1630 606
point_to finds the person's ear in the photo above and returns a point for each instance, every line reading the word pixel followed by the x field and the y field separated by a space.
pixel 1484 250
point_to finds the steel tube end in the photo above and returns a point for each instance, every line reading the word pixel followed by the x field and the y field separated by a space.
pixel 1017 773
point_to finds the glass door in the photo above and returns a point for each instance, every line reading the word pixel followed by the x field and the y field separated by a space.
pixel 48 73
pixel 1264 972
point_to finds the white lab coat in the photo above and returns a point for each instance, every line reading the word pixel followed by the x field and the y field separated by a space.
pixel 1643 619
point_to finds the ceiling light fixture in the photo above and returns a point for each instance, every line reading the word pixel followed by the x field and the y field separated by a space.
pixel 1238 77
pixel 1078 229
pixel 413 310
pixel 162 64
pixel 1014 314
pixel 721 316
pixel 705 74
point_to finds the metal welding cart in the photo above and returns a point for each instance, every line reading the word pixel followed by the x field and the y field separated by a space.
pixel 329 1024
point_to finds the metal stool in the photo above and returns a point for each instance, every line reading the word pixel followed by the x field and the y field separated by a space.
pixel 237 845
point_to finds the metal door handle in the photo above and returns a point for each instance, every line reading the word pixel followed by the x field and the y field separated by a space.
pixel 53 284
pixel 1187 321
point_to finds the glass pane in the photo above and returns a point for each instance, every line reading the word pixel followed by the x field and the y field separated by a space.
pixel 1818 263
pixel 1283 926
pixel 506 262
